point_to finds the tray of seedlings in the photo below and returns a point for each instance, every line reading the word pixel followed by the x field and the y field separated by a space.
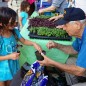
pixel 41 28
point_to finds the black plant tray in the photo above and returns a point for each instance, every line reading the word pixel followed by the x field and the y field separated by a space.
pixel 68 38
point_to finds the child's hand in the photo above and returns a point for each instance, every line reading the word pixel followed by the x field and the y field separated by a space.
pixel 14 56
pixel 38 47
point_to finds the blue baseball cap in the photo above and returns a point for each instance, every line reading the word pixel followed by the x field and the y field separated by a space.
pixel 71 14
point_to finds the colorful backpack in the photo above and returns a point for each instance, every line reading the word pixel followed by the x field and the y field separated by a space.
pixel 35 76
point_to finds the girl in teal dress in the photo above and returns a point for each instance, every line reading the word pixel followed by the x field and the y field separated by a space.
pixel 9 64
pixel 23 15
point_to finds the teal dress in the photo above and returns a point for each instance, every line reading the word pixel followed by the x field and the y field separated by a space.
pixel 24 16
pixel 8 68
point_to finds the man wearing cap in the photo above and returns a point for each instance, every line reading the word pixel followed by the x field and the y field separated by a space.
pixel 73 23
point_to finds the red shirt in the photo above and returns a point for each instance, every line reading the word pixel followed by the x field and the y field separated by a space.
pixel 31 1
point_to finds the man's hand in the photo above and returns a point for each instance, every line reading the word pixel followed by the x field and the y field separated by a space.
pixel 46 62
pixel 56 17
pixel 41 11
pixel 51 44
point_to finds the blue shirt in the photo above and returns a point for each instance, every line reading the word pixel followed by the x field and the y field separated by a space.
pixel 80 46
pixel 8 68
pixel 24 17
pixel 60 4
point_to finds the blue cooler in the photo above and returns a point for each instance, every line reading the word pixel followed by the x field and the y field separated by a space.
pixel 44 5
pixel 47 13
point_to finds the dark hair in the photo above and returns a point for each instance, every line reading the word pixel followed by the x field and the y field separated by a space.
pixel 5 15
pixel 24 5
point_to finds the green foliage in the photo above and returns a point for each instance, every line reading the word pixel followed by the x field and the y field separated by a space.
pixel 45 31
pixel 43 16
pixel 43 27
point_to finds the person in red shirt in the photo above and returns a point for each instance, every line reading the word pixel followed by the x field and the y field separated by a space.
pixel 32 6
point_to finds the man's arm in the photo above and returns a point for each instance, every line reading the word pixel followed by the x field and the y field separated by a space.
pixel 48 9
pixel 65 48
pixel 72 69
